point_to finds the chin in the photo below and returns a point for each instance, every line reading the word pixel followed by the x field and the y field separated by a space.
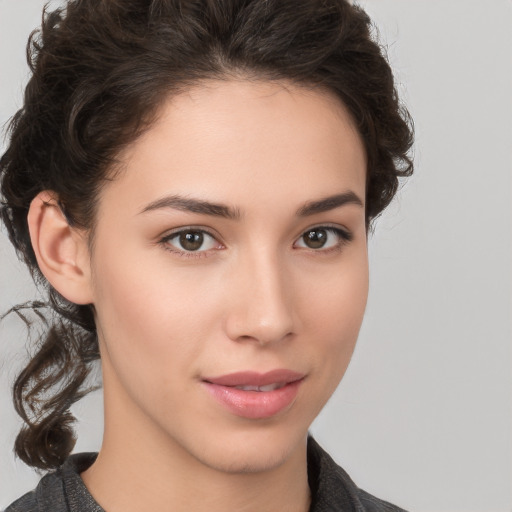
pixel 254 451
pixel 247 461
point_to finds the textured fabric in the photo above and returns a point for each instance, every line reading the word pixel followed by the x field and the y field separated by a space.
pixel 61 491
pixel 332 490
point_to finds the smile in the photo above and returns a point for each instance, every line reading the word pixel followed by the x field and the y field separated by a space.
pixel 255 396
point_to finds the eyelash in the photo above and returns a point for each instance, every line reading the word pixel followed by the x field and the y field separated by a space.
pixel 344 236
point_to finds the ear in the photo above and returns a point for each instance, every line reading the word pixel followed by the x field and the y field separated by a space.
pixel 62 252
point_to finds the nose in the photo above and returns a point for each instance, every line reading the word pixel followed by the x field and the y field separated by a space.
pixel 261 306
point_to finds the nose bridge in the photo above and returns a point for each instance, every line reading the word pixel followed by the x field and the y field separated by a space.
pixel 262 306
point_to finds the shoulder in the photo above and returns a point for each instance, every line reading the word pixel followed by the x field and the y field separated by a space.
pixel 333 489
pixel 60 491
pixel 48 495
pixel 26 503
pixel 372 504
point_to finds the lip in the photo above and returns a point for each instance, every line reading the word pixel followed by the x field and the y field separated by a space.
pixel 250 378
pixel 255 404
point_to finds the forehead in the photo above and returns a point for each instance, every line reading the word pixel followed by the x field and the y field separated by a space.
pixel 235 140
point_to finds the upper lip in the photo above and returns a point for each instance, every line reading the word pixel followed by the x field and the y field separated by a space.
pixel 250 378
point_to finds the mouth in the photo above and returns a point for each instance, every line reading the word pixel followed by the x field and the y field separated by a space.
pixel 255 395
pixel 268 387
pixel 255 381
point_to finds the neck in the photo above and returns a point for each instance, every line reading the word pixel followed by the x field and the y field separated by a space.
pixel 140 467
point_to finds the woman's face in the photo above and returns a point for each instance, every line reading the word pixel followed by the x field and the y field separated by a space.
pixel 229 272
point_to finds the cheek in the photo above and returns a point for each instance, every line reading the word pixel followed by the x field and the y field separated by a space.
pixel 338 294
pixel 149 344
pixel 335 314
pixel 148 319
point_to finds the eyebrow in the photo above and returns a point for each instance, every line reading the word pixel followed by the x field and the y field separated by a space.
pixel 329 203
pixel 188 204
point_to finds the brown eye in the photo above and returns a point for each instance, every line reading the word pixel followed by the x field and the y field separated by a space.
pixel 315 238
pixel 191 240
pixel 324 238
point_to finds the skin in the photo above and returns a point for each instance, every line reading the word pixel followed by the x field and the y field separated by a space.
pixel 254 297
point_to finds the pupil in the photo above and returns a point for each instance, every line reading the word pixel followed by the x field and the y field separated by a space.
pixel 191 241
pixel 315 239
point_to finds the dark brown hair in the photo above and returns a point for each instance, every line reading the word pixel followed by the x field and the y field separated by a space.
pixel 100 70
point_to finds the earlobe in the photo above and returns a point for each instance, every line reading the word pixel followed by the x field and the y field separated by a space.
pixel 61 250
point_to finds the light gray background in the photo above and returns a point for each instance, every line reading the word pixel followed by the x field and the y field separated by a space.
pixel 423 416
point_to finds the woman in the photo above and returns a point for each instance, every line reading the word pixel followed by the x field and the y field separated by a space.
pixel 194 182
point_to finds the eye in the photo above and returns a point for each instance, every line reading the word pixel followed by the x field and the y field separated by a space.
pixel 324 237
pixel 189 241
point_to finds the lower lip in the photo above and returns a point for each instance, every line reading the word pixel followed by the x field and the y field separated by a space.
pixel 254 404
